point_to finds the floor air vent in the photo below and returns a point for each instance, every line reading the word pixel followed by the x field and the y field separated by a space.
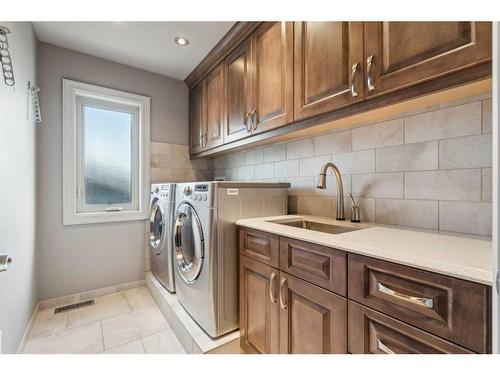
pixel 74 306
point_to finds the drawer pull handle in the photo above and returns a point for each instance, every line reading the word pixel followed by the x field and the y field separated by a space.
pixel 271 287
pixel 382 347
pixel 284 305
pixel 426 302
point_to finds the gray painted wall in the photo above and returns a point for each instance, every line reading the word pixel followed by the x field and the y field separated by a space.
pixel 17 190
pixel 83 257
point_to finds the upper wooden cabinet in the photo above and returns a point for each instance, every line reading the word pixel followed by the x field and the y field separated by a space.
pixel 274 74
pixel 206 102
pixel 400 54
pixel 272 65
pixel 238 92
pixel 328 66
pixel 214 108
pixel 196 118
pixel 259 82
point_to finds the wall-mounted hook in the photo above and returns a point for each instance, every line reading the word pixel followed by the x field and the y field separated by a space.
pixel 33 94
pixel 5 58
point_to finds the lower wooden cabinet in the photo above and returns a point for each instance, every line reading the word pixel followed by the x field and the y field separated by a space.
pixel 371 332
pixel 280 313
pixel 312 319
pixel 259 308
pixel 292 301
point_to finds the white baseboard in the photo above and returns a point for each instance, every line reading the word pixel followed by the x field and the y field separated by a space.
pixel 20 348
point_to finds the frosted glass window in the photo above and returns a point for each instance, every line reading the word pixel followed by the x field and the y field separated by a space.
pixel 107 156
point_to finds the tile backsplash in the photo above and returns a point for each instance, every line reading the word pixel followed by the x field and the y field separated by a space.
pixel 171 163
pixel 429 169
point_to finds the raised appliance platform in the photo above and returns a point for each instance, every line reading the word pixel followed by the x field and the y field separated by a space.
pixel 191 336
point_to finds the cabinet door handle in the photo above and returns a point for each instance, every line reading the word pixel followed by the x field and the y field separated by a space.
pixel 425 302
pixel 5 262
pixel 249 128
pixel 271 287
pixel 354 84
pixel 369 73
pixel 284 305
pixel 382 347
pixel 254 119
pixel 206 140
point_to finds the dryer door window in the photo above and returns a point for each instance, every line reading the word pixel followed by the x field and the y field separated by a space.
pixel 189 243
pixel 156 228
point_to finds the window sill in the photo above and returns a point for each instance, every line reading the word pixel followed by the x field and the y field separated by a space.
pixel 104 217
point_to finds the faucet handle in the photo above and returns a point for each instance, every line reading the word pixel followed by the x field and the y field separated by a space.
pixel 355 214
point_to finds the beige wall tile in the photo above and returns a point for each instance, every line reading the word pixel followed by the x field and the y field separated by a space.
pixel 160 174
pixel 275 153
pixel 236 160
pixel 219 163
pixel 411 213
pixel 381 185
pixel 388 133
pixel 312 166
pixel 468 99
pixel 314 205
pixel 486 185
pixel 255 156
pixel 451 185
pixel 300 149
pixel 445 123
pixel 160 148
pixel 466 152
pixel 179 150
pixel 465 217
pixel 265 170
pixel 355 162
pixel 288 168
pixel 412 157
pixel 487 114
pixel 332 143
pixel 301 185
pixel 366 209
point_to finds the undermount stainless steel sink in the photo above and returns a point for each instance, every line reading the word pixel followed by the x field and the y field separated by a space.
pixel 318 227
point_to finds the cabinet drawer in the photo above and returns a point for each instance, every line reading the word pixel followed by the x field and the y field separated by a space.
pixel 371 332
pixel 317 264
pixel 454 309
pixel 261 246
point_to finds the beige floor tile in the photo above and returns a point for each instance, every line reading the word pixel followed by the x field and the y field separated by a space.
pixel 104 307
pixel 125 328
pixel 164 342
pixel 47 323
pixel 85 339
pixel 134 347
pixel 139 298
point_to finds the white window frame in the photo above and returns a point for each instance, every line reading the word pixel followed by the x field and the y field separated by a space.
pixel 75 96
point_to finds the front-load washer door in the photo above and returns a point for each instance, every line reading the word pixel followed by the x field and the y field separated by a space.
pixel 157 227
pixel 189 243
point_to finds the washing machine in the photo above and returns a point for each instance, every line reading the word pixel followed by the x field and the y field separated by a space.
pixel 162 210
pixel 206 245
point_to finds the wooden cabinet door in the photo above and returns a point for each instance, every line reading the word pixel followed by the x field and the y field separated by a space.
pixel 259 309
pixel 373 333
pixel 238 92
pixel 272 76
pixel 312 320
pixel 406 53
pixel 214 103
pixel 325 55
pixel 196 118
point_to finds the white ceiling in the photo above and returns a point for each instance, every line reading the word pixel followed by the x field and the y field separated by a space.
pixel 144 45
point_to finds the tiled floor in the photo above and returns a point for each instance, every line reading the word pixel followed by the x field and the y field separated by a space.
pixel 122 323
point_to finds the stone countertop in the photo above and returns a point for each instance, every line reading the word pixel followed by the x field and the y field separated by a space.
pixel 464 257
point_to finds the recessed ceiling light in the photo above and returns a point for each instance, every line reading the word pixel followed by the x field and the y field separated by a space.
pixel 181 41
